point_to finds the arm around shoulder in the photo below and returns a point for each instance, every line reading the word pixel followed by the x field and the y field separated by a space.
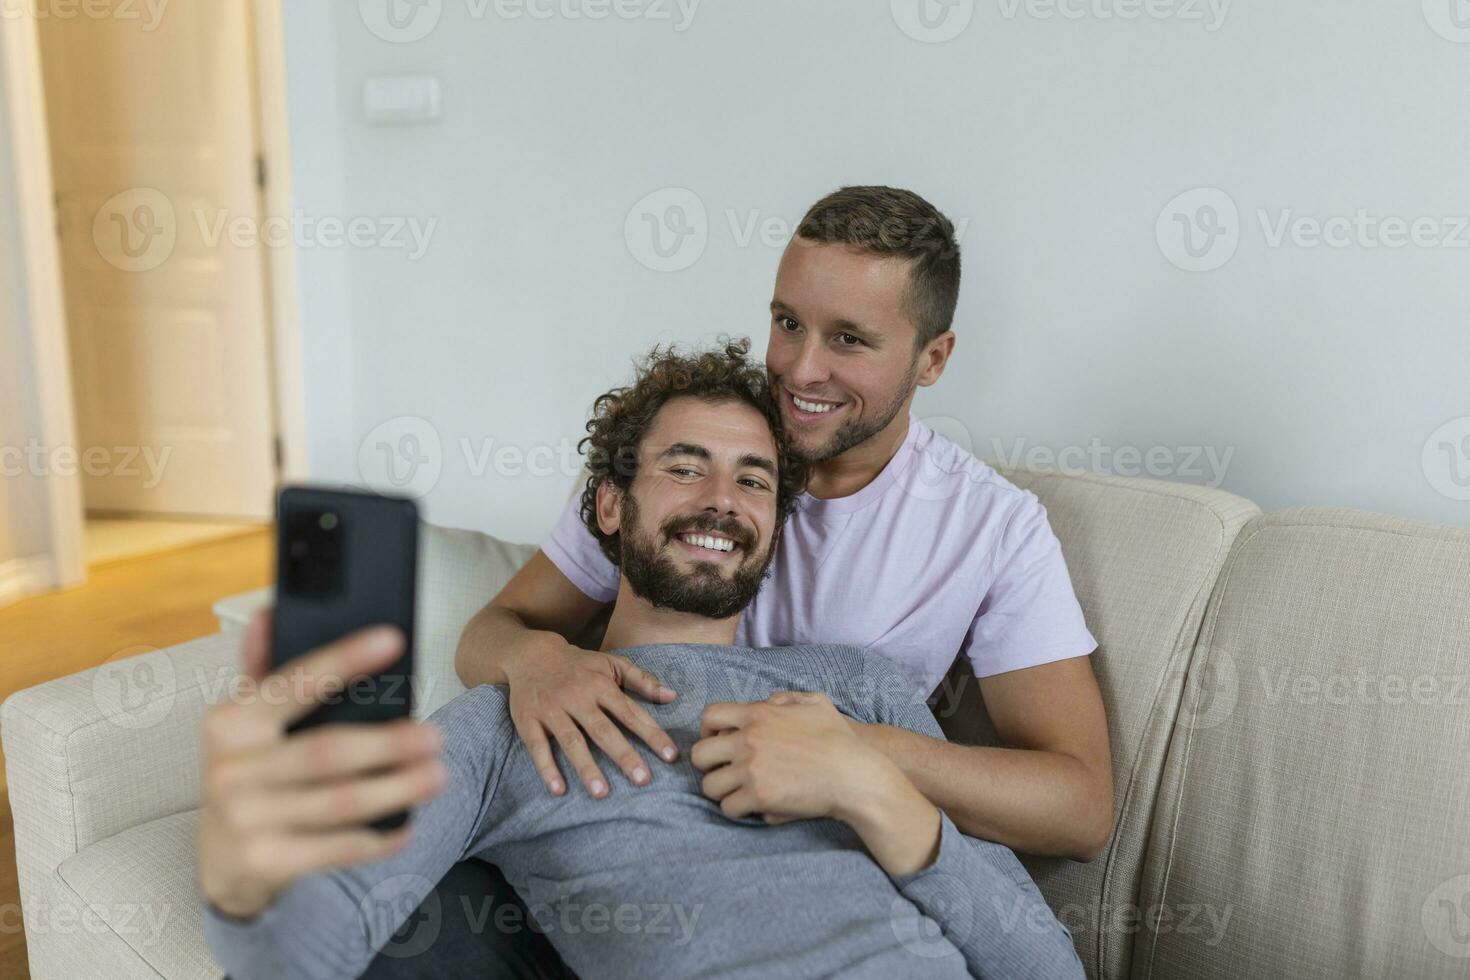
pixel 537 607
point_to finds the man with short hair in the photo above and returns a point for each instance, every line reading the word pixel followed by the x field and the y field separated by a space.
pixel 904 545
pixel 732 866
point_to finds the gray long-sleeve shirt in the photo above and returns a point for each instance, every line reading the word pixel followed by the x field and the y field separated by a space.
pixel 656 880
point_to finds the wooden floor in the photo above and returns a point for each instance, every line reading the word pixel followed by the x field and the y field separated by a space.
pixel 152 601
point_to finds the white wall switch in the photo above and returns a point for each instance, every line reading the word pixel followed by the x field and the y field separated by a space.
pixel 401 100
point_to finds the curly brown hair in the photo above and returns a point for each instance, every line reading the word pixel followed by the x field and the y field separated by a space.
pixel 622 417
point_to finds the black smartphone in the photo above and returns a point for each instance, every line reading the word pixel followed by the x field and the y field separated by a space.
pixel 345 560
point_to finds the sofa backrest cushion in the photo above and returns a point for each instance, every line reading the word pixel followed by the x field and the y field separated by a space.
pixel 459 571
pixel 1314 819
pixel 1143 556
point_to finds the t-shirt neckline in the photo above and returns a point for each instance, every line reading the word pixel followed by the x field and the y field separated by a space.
pixel 816 507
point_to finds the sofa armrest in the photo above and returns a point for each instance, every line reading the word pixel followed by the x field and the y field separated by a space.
pixel 234 611
pixel 95 753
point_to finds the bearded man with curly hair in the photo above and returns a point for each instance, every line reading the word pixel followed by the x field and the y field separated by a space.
pixel 829 862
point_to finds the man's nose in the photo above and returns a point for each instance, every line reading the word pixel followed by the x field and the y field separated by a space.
pixel 810 367
pixel 720 494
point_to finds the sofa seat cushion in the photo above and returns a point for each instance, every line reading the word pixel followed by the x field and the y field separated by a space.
pixel 141 885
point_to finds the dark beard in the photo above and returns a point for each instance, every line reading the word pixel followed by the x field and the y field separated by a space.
pixel 703 591
pixel 855 432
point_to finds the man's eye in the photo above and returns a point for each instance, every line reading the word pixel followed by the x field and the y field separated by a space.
pixel 683 471
pixel 753 482
pixel 788 324
pixel 848 340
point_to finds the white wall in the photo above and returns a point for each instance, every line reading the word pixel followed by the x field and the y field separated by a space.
pixel 1315 374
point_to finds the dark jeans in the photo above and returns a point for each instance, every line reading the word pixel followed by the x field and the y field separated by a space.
pixel 472 925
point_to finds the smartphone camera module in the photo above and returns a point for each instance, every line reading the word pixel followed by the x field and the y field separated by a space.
pixel 313 552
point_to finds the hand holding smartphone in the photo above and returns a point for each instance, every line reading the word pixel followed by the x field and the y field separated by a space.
pixel 346 560
pixel 299 769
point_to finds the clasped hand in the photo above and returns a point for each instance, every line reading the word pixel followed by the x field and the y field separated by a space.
pixel 791 756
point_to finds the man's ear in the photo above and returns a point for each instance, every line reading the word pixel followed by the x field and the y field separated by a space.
pixel 934 357
pixel 609 507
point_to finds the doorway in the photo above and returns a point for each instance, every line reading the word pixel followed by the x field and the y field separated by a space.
pixel 161 154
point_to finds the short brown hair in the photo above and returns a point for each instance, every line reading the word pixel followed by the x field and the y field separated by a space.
pixel 891 221
pixel 622 417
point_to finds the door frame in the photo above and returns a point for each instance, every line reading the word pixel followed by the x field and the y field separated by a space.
pixel 283 331
pixel 33 237
pixel 28 246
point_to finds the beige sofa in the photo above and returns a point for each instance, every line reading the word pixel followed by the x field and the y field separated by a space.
pixel 1289 715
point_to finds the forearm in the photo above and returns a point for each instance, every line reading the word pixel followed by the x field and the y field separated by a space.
pixel 989 909
pixel 899 827
pixel 492 641
pixel 1034 801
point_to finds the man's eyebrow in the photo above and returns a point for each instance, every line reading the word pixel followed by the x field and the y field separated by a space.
pixel 685 449
pixel 699 452
pixel 759 462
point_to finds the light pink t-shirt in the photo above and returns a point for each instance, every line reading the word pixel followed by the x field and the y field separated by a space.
pixel 939 555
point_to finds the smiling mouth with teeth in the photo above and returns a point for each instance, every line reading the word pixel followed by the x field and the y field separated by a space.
pixel 709 542
pixel 811 407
